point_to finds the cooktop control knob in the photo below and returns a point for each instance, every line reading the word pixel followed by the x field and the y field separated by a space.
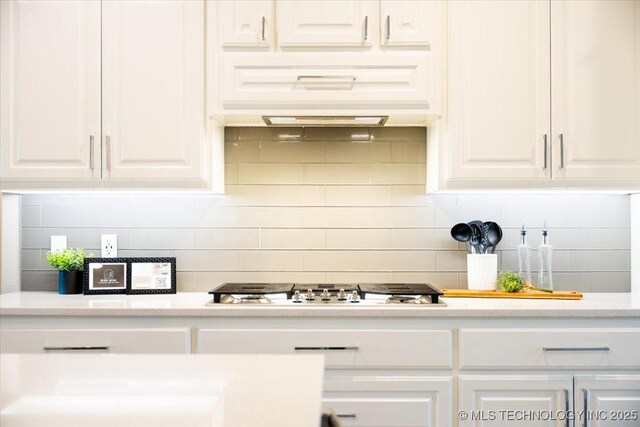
pixel 342 295
pixel 355 297
pixel 297 297
pixel 326 296
pixel 310 296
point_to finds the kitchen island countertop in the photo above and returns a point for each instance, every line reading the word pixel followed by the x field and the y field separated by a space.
pixel 193 304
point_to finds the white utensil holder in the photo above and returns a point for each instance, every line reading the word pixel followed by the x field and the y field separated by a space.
pixel 482 271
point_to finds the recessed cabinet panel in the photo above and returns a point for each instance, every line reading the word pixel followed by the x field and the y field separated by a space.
pixel 314 82
pixel 50 93
pixel 596 90
pixel 153 89
pixel 245 23
pixel 610 400
pixel 499 90
pixel 410 23
pixel 311 23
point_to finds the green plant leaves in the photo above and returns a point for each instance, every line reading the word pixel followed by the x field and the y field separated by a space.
pixel 69 259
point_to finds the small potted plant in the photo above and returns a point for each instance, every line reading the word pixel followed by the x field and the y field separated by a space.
pixel 70 263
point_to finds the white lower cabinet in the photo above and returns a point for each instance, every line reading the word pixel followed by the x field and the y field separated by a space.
pixel 502 400
pixel 161 340
pixel 382 401
pixel 608 400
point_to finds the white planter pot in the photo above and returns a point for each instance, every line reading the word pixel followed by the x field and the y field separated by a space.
pixel 482 271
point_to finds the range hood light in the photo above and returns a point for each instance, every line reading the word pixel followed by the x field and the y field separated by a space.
pixel 325 120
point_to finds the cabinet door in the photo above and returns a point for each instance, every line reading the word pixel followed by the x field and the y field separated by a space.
pixel 245 23
pixel 498 91
pixel 410 22
pixel 153 89
pixel 304 23
pixel 50 86
pixel 494 400
pixel 596 90
pixel 608 400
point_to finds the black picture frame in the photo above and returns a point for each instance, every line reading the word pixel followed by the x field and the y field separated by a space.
pixel 86 280
pixel 151 260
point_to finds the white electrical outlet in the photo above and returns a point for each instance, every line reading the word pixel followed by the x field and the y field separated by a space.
pixel 109 245
pixel 58 243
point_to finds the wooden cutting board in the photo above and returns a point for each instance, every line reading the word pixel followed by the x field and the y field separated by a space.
pixel 467 293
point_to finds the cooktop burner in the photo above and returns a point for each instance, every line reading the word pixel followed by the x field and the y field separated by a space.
pixel 327 293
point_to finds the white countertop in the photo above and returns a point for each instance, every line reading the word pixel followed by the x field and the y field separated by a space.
pixel 160 390
pixel 192 304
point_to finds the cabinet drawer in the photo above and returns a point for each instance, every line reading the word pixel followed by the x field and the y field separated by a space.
pixel 342 349
pixel 170 340
pixel 549 348
pixel 314 82
pixel 389 401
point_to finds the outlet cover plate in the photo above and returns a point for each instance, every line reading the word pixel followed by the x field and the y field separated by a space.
pixel 58 243
pixel 109 245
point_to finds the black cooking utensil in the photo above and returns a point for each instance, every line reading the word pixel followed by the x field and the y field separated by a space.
pixel 476 238
pixel 494 235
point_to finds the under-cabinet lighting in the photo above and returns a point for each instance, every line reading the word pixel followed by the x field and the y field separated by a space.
pixel 325 120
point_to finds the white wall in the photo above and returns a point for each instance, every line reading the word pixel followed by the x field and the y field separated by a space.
pixel 330 208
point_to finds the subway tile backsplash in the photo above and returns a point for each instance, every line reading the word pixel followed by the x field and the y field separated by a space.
pixel 330 208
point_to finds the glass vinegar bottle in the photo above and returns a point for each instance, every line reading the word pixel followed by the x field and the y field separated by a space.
pixel 545 253
pixel 524 257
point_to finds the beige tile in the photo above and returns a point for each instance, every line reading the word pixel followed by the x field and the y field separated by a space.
pixel 269 134
pixel 235 195
pixel 336 217
pixel 423 238
pixel 230 173
pixel 406 173
pixel 231 133
pixel 205 216
pixel 30 216
pixel 336 174
pixel 563 281
pixel 399 134
pixel 184 281
pixel 292 238
pixel 404 260
pixel 267 173
pixel 268 260
pixel 358 195
pixel 610 281
pixel 344 134
pixel 336 260
pixel 227 238
pixel 358 277
pixel 438 279
pixel 241 151
pixel 291 152
pixel 161 238
pixel 207 280
pixel 410 195
pixel 409 152
pixel 207 260
pixel 30 259
pixel 357 152
pixel 292 195
pixel 403 217
pixel 292 276
pixel 359 238
pixel 270 216
pixel 451 261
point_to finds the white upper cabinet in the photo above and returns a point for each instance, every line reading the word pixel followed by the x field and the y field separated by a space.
pixel 312 23
pixel 410 22
pixel 244 23
pixel 498 91
pixel 50 90
pixel 596 90
pixel 153 90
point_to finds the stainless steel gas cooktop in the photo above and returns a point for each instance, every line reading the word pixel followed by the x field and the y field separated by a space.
pixel 358 294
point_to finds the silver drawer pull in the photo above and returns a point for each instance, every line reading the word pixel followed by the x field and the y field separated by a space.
pixel 352 78
pixel 88 348
pixel 326 348
pixel 576 348
pixel 346 415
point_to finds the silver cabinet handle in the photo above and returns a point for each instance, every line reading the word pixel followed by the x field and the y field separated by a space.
pixel 561 151
pixel 262 28
pixel 87 348
pixel 346 415
pixel 546 145
pixel 388 36
pixel 326 348
pixel 352 78
pixel 107 142
pixel 91 143
pixel 575 349
pixel 366 28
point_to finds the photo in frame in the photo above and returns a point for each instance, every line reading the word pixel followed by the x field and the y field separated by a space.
pixel 154 275
pixel 105 276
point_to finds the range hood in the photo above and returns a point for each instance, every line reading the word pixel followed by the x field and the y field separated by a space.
pixel 326 121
